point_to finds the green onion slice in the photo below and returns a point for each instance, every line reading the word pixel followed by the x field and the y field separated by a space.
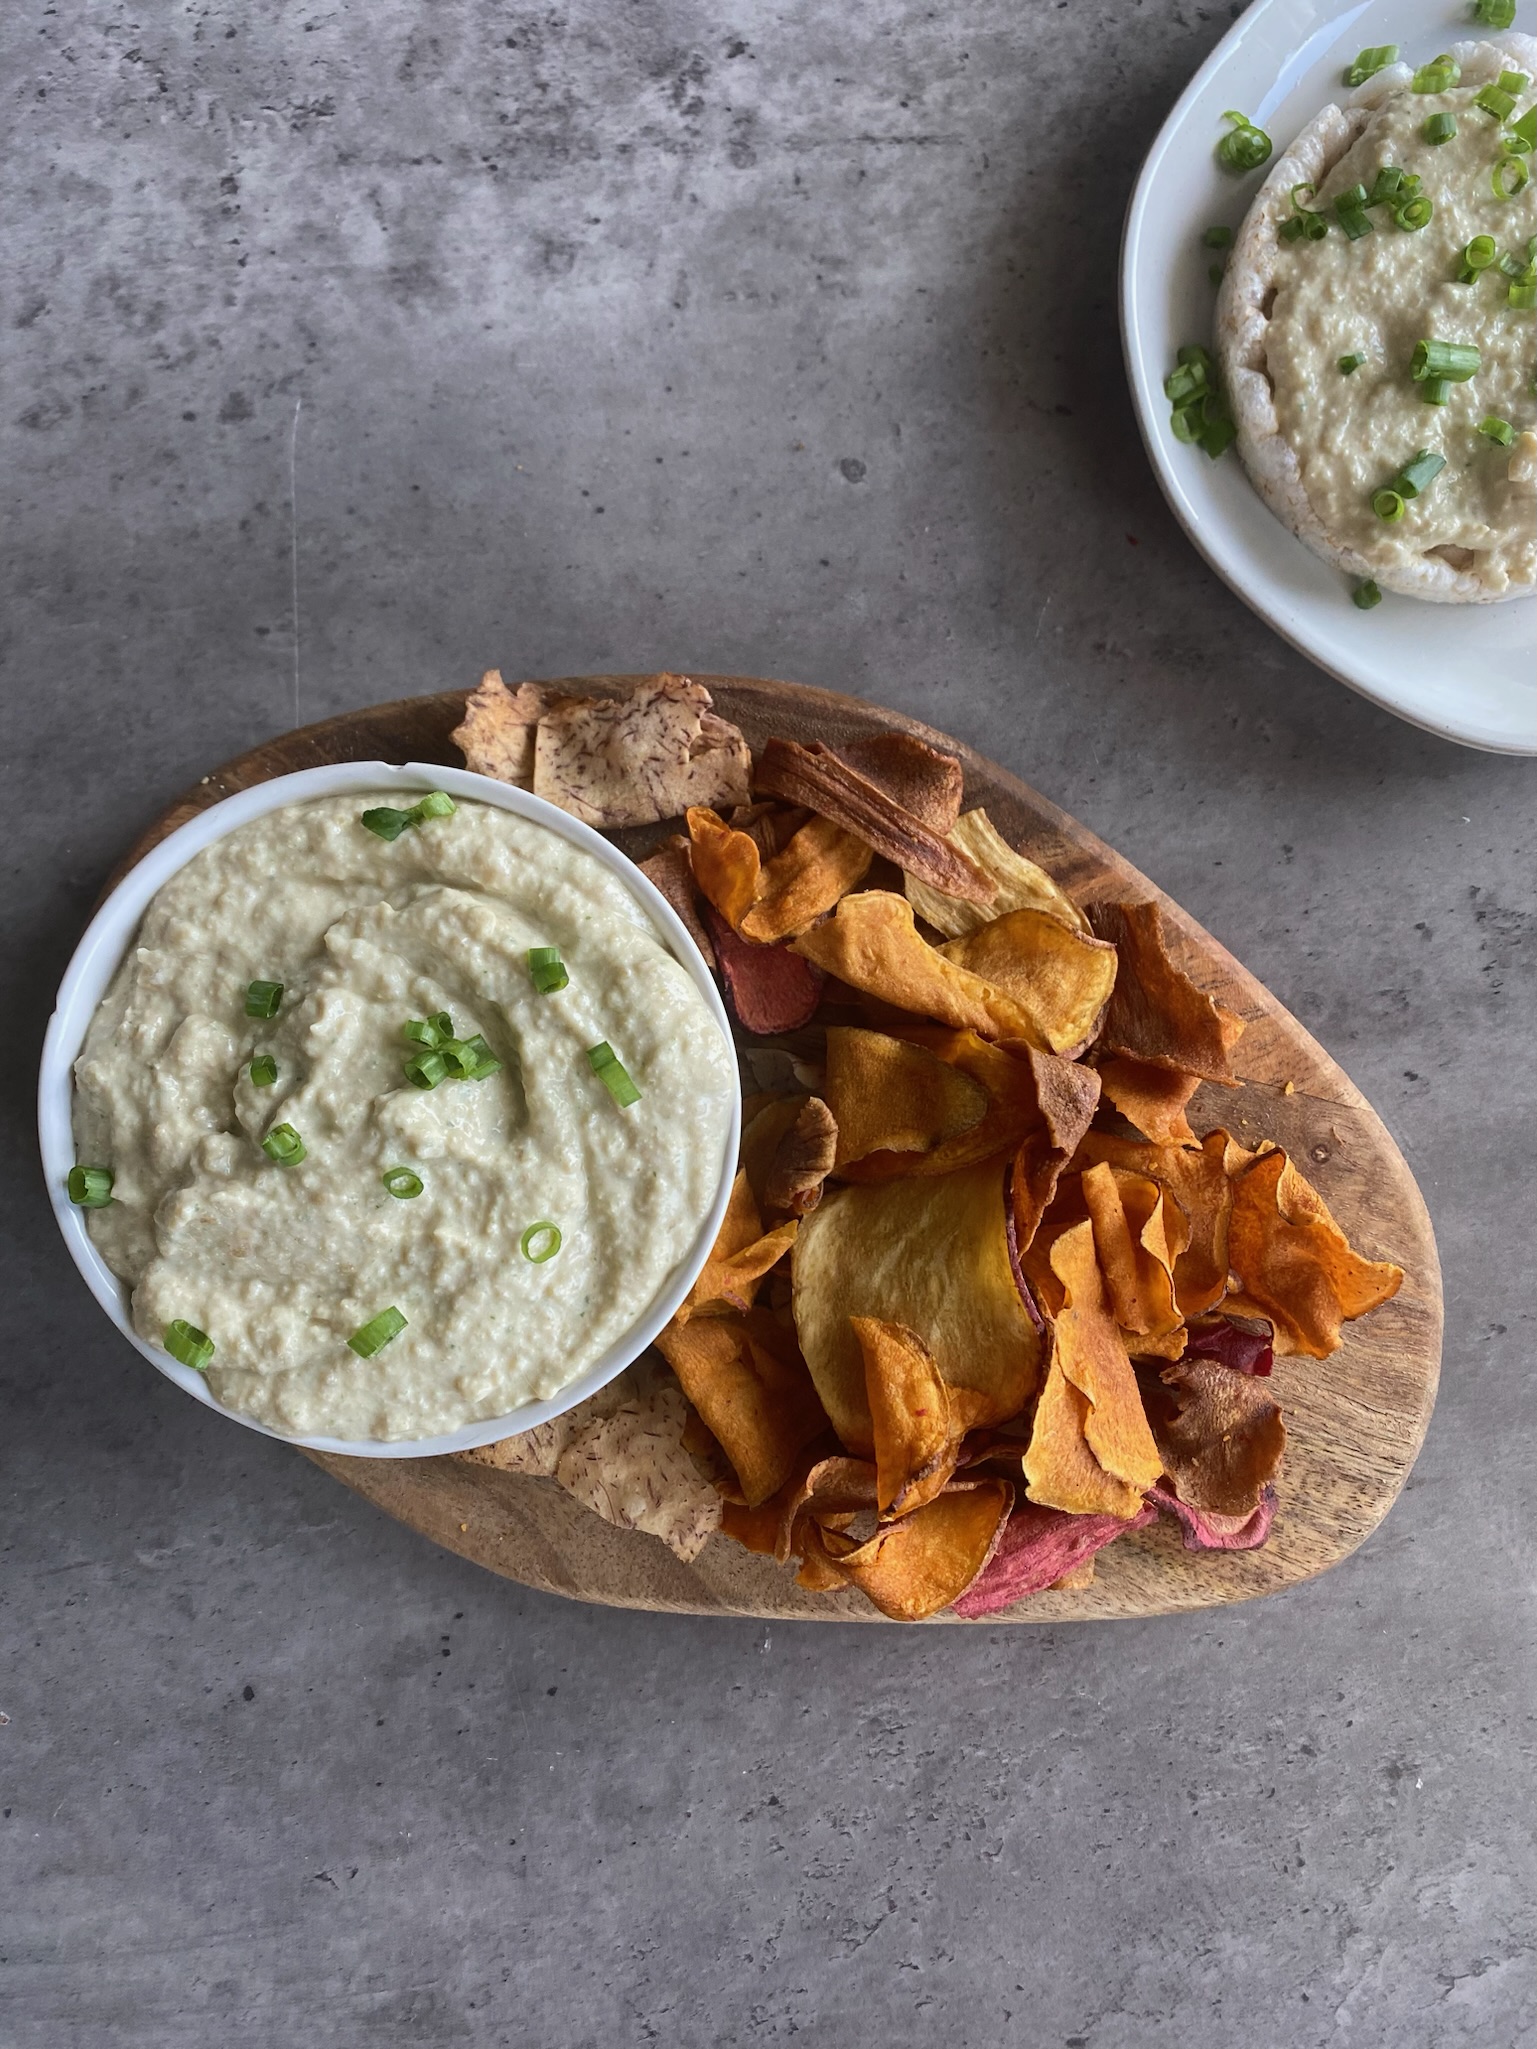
pixel 430 1032
pixel 1218 435
pixel 1479 253
pixel 263 1071
pixel 436 804
pixel 481 1060
pixel 402 1183
pixel 540 1242
pixel 1435 391
pixel 262 999
pixel 1348 365
pixel 1416 474
pixel 547 968
pixel 606 1065
pixel 1369 62
pixel 1218 238
pixel 1494 13
pixel 1496 100
pixel 284 1145
pixel 1414 214
pixel 1352 216
pixel 1496 429
pixel 1246 147
pixel 1509 176
pixel 1388 503
pixel 188 1345
pixel 374 1335
pixel 425 1070
pixel 1439 75
pixel 1214 273
pixel 1523 133
pixel 89 1187
pixel 1455 360
pixel 1365 595
pixel 1439 127
pixel 1522 297
pixel 386 822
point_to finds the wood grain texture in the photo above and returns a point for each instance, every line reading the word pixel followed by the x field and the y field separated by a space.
pixel 1356 1421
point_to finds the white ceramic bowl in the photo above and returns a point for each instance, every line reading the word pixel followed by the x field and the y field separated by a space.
pixel 1463 671
pixel 110 934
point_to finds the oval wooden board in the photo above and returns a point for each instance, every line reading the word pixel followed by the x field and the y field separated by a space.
pixel 1356 1421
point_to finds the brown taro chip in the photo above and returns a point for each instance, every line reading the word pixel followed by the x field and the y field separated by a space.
pixel 1139 1232
pixel 889 1096
pixel 1293 1263
pixel 816 777
pixel 931 1254
pixel 913 774
pixel 917 1427
pixel 808 875
pixel 1219 1434
pixel 497 734
pixel 1152 1098
pixel 1197 1178
pixel 671 870
pixel 913 1568
pixel 1021 884
pixel 1060 978
pixel 726 863
pixel 770 989
pixel 802 1161
pixel 631 760
pixel 871 943
pixel 755 1398
pixel 1092 1354
pixel 1157 1013
pixel 763 1129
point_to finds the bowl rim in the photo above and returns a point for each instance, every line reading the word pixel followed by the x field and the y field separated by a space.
pixel 105 943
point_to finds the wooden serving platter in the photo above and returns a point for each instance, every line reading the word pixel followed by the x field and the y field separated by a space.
pixel 1355 1421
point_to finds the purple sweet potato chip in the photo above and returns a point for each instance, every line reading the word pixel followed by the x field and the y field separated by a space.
pixel 1037 1547
pixel 769 989
pixel 1245 1347
pixel 1207 1532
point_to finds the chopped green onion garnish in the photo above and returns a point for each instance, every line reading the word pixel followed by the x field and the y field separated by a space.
pixel 90 1187
pixel 374 1335
pixel 1218 238
pixel 1439 75
pixel 1350 364
pixel 430 1032
pixel 540 1242
pixel 1509 177
pixel 547 969
pixel 262 999
pixel 402 1183
pixel 1423 470
pixel 1218 434
pixel 263 1071
pixel 1522 297
pixel 1456 360
pixel 1523 133
pixel 1365 595
pixel 483 1061
pixel 1497 430
pixel 1351 214
pixel 284 1145
pixel 1494 13
pixel 1214 273
pixel 1496 101
pixel 606 1066
pixel 436 804
pixel 1186 422
pixel 1303 220
pixel 188 1345
pixel 386 822
pixel 1439 127
pixel 1369 62
pixel 1414 214
pixel 426 1070
pixel 1479 253
pixel 1246 148
pixel 1388 187
pixel 1435 391
pixel 1388 503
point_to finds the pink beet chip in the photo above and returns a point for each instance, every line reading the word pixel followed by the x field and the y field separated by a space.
pixel 1205 1532
pixel 770 990
pixel 1038 1545
pixel 1246 1351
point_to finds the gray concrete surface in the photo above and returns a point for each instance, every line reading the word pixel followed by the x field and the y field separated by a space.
pixel 778 339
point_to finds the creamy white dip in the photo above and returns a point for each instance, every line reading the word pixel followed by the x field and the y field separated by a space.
pixel 1376 297
pixel 281 1264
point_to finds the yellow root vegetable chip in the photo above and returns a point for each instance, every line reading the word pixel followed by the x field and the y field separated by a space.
pixel 1156 1012
pixel 918 1565
pixel 1060 978
pixel 1060 1469
pixel 886 1095
pixel 1092 1355
pixel 1139 1231
pixel 931 1254
pixel 1152 1098
pixel 1293 1262
pixel 917 1427
pixel 1022 886
pixel 753 1393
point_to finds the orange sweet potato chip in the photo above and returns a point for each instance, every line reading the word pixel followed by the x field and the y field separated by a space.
pixel 1197 1178
pixel 1021 884
pixel 1061 979
pixel 1156 1012
pixel 1294 1264
pixel 802 1161
pixel 918 1565
pixel 890 1096
pixel 1220 1435
pixel 931 1254
pixel 832 1482
pixel 1093 1357
pixel 726 863
pixel 742 1254
pixel 1139 1231
pixel 917 1427
pixel 1060 1469
pixel 818 866
pixel 1152 1098
pixel 872 944
pixel 752 1391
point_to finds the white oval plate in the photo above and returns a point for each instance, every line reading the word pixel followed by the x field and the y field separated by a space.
pixel 108 937
pixel 1463 671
